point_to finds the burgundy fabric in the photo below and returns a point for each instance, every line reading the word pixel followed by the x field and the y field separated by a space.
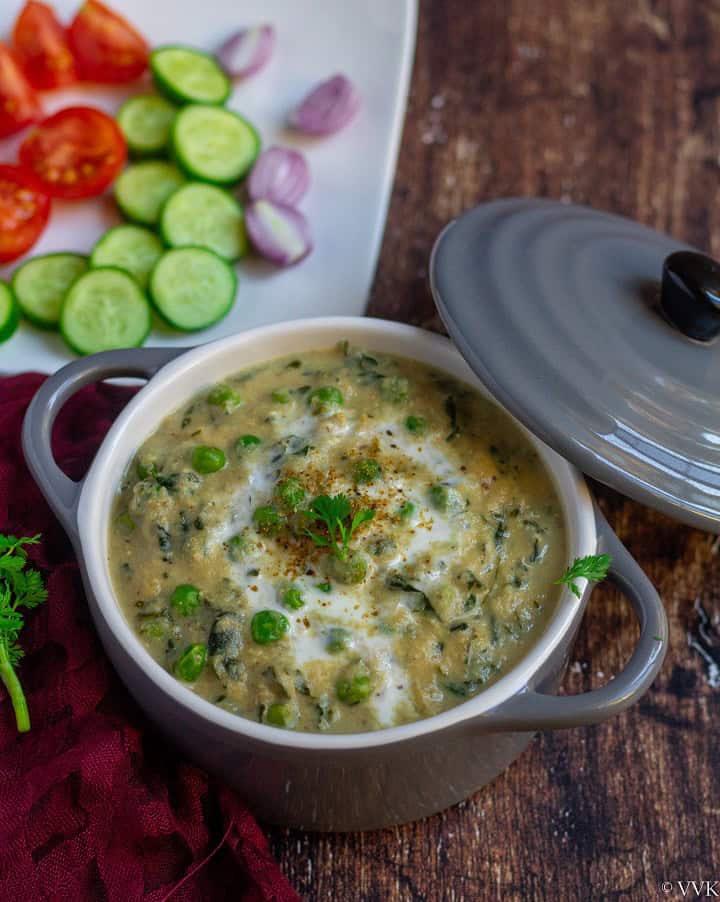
pixel 93 803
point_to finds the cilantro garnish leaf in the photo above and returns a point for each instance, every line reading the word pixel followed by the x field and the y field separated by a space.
pixel 593 568
pixel 20 587
pixel 335 515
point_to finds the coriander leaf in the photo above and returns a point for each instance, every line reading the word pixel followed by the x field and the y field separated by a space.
pixel 15 653
pixel 32 588
pixel 19 588
pixel 11 621
pixel 360 517
pixel 17 562
pixel 10 544
pixel 593 568
pixel 336 508
pixel 333 513
pixel 319 540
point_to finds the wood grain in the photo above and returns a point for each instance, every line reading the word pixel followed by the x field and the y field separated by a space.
pixel 614 103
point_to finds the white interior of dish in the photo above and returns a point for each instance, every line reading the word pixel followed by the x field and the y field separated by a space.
pixel 184 377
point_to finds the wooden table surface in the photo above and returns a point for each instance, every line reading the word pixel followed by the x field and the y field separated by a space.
pixel 613 103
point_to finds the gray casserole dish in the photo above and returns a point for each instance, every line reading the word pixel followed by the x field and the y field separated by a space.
pixel 318 781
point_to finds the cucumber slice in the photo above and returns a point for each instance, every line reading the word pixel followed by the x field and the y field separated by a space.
pixel 41 283
pixel 142 189
pixel 130 247
pixel 213 144
pixel 104 309
pixel 187 75
pixel 9 312
pixel 198 215
pixel 192 287
pixel 145 121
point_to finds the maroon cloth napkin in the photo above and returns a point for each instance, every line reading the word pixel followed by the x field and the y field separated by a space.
pixel 93 803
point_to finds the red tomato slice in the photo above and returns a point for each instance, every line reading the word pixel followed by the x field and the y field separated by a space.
pixel 19 104
pixel 24 212
pixel 74 153
pixel 106 47
pixel 42 47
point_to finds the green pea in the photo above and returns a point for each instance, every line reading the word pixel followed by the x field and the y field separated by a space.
pixel 367 470
pixel 125 524
pixel 185 599
pixel 281 396
pixel 416 425
pixel 224 396
pixel 323 399
pixel 292 597
pixel 268 626
pixel 237 546
pixel 153 626
pixel 290 493
pixel 353 690
pixel 281 714
pixel 267 520
pixel 446 499
pixel 349 570
pixel 207 460
pixel 395 389
pixel 247 443
pixel 190 664
pixel 337 639
pixel 406 510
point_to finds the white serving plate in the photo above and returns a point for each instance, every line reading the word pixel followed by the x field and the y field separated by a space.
pixel 352 172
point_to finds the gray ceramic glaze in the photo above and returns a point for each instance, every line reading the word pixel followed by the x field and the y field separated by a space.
pixel 555 307
pixel 317 781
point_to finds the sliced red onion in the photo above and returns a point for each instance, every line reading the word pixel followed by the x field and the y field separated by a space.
pixel 278 232
pixel 328 107
pixel 280 175
pixel 247 51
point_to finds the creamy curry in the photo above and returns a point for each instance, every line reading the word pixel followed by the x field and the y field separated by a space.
pixel 337 541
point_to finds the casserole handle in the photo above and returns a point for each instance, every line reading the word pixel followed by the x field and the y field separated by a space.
pixel 60 491
pixel 532 710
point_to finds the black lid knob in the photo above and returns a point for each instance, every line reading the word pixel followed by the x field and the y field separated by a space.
pixel 690 295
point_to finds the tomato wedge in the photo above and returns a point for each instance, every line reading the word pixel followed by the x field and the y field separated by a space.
pixel 106 47
pixel 24 212
pixel 74 153
pixel 42 47
pixel 19 104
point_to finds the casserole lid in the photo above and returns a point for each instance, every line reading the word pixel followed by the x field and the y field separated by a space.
pixel 557 309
